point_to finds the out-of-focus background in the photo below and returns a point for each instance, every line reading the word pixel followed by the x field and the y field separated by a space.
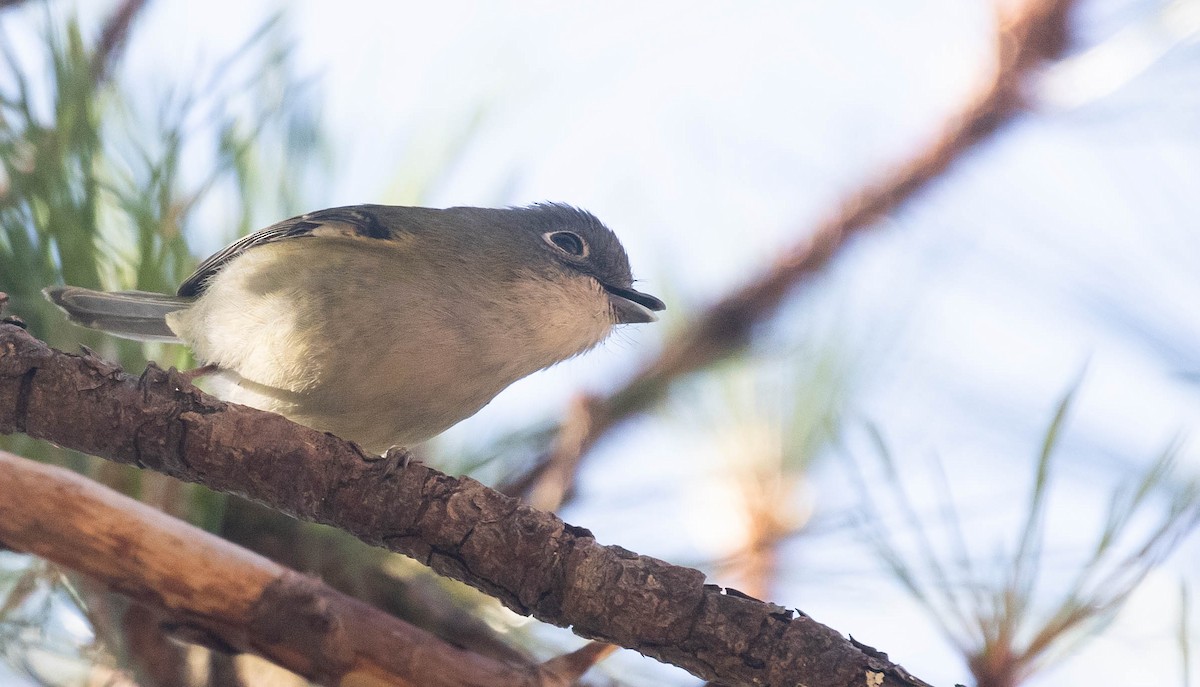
pixel 969 439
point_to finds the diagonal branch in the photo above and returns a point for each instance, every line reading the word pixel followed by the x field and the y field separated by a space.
pixel 1029 34
pixel 114 38
pixel 205 588
pixel 532 561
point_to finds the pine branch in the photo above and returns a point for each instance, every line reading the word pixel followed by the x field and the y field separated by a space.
pixel 114 37
pixel 533 562
pixel 197 586
pixel 1029 33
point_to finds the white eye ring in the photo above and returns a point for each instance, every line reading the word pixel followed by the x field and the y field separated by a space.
pixel 567 242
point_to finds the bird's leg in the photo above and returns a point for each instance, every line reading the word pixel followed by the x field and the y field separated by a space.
pixel 196 373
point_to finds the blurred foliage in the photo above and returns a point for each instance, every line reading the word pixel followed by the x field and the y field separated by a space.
pixel 769 418
pixel 105 183
pixel 1015 614
pixel 46 632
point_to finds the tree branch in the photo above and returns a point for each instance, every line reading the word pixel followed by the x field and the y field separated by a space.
pixel 1029 33
pixel 530 560
pixel 114 37
pixel 204 588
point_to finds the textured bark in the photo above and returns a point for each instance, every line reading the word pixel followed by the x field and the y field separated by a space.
pixel 530 560
pixel 418 600
pixel 202 588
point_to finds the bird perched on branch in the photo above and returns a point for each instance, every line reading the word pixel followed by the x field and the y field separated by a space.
pixel 386 325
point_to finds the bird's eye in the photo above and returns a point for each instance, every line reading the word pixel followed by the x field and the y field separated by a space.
pixel 568 242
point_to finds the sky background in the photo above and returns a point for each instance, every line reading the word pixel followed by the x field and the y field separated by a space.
pixel 712 135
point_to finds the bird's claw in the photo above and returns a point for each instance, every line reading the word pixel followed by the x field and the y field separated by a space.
pixel 396 458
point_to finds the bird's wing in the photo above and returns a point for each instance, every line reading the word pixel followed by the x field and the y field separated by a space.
pixel 350 222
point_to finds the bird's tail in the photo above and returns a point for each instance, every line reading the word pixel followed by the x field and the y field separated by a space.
pixel 137 315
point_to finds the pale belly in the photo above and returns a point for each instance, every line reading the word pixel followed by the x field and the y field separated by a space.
pixel 385 360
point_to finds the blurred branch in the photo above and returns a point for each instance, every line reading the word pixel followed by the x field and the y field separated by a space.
pixel 113 38
pixel 1035 31
pixel 403 588
pixel 198 586
pixel 551 487
pixel 531 561
pixel 160 661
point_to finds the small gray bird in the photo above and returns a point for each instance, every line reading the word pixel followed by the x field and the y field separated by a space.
pixel 387 325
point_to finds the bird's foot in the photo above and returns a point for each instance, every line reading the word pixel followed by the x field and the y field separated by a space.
pixel 396 458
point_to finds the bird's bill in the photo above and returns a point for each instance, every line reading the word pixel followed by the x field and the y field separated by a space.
pixel 632 307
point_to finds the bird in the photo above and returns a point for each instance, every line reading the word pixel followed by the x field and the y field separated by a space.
pixel 386 325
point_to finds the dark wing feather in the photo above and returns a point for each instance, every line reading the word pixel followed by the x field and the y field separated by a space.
pixel 359 221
